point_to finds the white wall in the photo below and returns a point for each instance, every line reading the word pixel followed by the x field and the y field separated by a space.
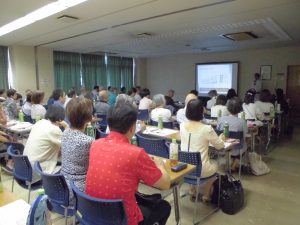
pixel 24 69
pixel 178 72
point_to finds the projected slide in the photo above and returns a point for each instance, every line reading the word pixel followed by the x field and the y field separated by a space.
pixel 220 77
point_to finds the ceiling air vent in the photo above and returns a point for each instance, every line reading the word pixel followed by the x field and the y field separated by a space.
pixel 241 36
pixel 67 19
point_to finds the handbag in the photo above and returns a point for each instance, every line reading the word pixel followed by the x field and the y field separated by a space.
pixel 258 167
pixel 148 200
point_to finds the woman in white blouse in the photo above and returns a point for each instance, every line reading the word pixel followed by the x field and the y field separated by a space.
pixel 38 111
pixel 159 110
pixel 252 112
pixel 220 105
pixel 195 137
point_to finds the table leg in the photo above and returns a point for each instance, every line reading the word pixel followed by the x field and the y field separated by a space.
pixel 252 140
pixel 269 135
pixel 176 203
pixel 279 125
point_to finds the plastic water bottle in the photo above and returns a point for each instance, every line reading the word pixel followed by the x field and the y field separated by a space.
pixel 133 140
pixel 173 153
pixel 21 116
pixel 272 112
pixel 219 113
pixel 243 115
pixel 226 130
pixel 90 130
pixel 160 124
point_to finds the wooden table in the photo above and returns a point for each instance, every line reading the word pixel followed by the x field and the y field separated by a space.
pixel 17 129
pixel 175 178
pixel 7 197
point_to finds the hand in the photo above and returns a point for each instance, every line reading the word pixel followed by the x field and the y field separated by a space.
pixel 159 162
pixel 63 124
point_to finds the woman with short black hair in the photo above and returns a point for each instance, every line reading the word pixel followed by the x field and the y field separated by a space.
pixel 195 137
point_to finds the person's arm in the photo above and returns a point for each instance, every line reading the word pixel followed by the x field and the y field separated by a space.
pixel 214 139
pixel 164 181
pixel 14 109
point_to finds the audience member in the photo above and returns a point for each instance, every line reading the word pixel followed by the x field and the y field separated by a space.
pixel 71 94
pixel 123 90
pixel 213 98
pixel 116 167
pixel 196 137
pixel 251 111
pixel 102 107
pixel 125 99
pixel 44 141
pixel 38 111
pixel 112 95
pixel 75 145
pixel 280 98
pixel 10 104
pixel 264 104
pixel 95 92
pixel 195 92
pixel 59 97
pixel 231 94
pixel 159 110
pixel 257 84
pixel 236 124
pixel 137 97
pixel 145 102
pixel 220 105
pixel 26 108
pixel 180 116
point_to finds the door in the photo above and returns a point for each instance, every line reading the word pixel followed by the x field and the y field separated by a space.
pixel 293 92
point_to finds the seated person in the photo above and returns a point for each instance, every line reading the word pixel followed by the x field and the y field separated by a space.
pixel 234 107
pixel 26 108
pixel 280 98
pixel 116 167
pixel 220 105
pixel 75 144
pixel 195 137
pixel 264 103
pixel 213 98
pixel 44 140
pixel 180 116
pixel 59 97
pixel 102 106
pixel 10 105
pixel 231 93
pixel 159 110
pixel 38 111
pixel 145 102
pixel 252 112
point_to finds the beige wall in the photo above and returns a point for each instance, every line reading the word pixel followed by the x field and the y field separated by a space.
pixel 178 72
pixel 24 69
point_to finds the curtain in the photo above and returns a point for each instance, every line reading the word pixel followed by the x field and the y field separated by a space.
pixel 114 65
pixel 127 73
pixel 4 67
pixel 67 70
pixel 93 70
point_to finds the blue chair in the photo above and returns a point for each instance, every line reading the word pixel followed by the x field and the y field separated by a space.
pixel 22 171
pixel 39 214
pixel 143 114
pixel 100 133
pixel 27 118
pixel 57 191
pixel 153 146
pixel 165 124
pixel 194 178
pixel 95 211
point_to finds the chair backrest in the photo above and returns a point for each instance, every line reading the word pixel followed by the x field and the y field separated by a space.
pixel 55 186
pixel 27 118
pixel 22 167
pixel 193 158
pixel 143 114
pixel 165 124
pixel 153 146
pixel 19 147
pixel 236 135
pixel 95 211
pixel 39 214
pixel 103 121
pixel 101 134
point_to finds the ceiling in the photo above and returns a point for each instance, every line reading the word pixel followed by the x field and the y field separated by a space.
pixel 175 26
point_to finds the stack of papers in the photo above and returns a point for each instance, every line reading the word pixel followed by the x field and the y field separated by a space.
pixel 159 132
pixel 14 213
pixel 21 126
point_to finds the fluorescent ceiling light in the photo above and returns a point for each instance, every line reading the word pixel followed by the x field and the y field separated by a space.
pixel 39 14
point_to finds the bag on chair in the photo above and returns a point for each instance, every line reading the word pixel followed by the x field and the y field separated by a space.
pixel 258 167
pixel 148 200
pixel 232 195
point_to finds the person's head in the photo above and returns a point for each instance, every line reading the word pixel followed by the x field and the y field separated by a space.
pixel 221 100
pixel 123 90
pixel 122 118
pixel 212 93
pixel 2 92
pixel 145 93
pixel 133 89
pixel 59 95
pixel 138 89
pixel 80 112
pixel 159 100
pixel 195 92
pixel 231 93
pixel 19 96
pixel 265 96
pixel 55 113
pixel 28 97
pixel 124 99
pixel 279 94
pixel 256 76
pixel 83 91
pixel 189 97
pixel 37 97
pixel 194 110
pixel 71 93
pixel 103 95
pixel 171 93
pixel 249 97
pixel 96 88
pixel 11 93
pixel 234 106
